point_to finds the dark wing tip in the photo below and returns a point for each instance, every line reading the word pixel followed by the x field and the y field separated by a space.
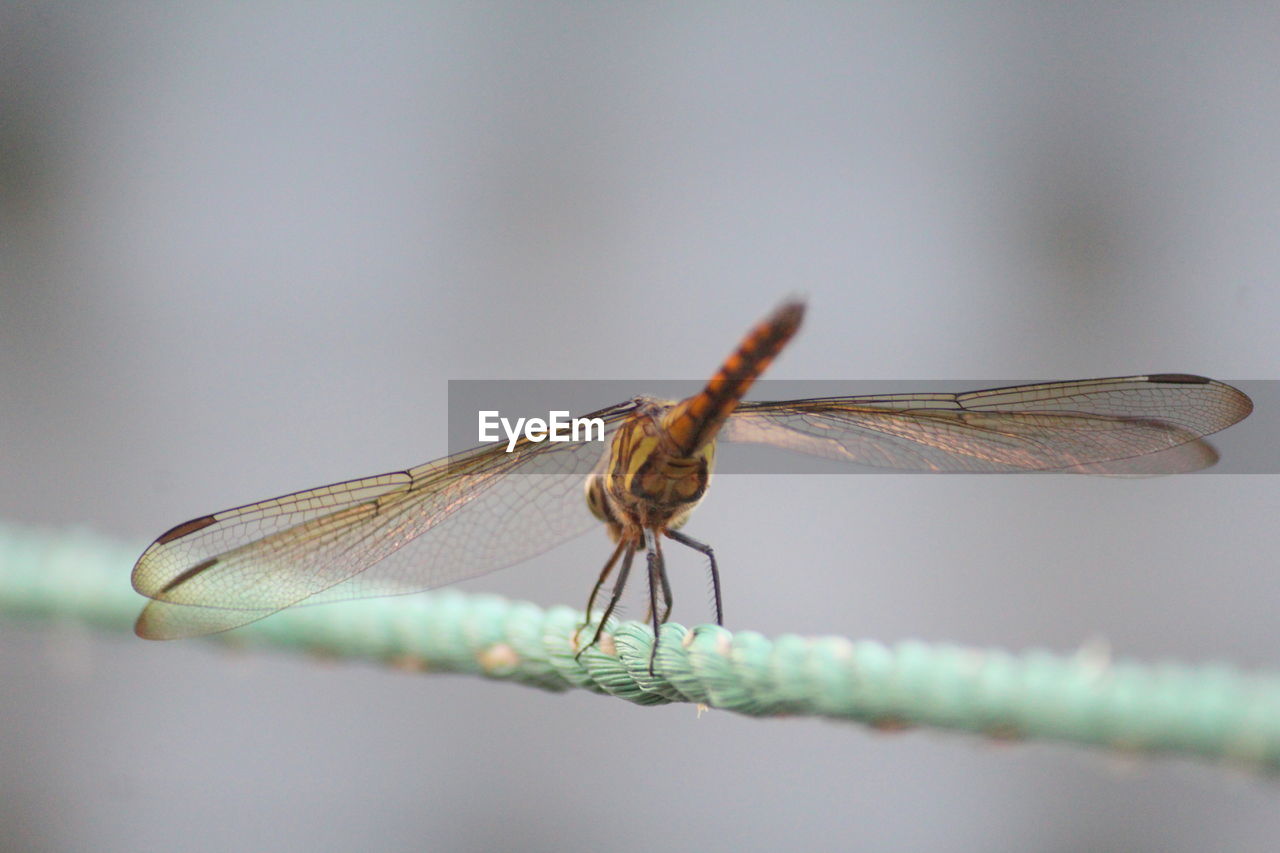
pixel 1235 403
pixel 188 574
pixel 1179 378
pixel 185 529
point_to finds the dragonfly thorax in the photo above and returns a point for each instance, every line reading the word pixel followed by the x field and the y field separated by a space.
pixel 644 481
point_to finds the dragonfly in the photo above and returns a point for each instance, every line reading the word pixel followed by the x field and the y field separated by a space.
pixel 489 508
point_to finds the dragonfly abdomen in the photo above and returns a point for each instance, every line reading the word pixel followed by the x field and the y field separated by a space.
pixel 694 422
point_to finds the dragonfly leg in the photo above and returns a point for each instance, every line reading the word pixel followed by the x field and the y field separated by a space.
pixel 715 572
pixel 595 590
pixel 657 578
pixel 629 552
pixel 667 599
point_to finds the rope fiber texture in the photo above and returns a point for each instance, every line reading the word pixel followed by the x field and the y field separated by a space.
pixel 1213 712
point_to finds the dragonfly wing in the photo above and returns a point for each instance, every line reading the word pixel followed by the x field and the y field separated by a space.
pixel 442 522
pixel 1123 425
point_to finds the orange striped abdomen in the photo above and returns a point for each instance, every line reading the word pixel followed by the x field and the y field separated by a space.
pixel 694 422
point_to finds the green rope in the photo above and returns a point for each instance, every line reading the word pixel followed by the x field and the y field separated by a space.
pixel 1212 712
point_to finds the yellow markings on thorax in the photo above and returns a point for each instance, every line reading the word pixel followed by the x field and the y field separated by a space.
pixel 647 477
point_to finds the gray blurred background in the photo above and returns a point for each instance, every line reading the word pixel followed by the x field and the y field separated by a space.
pixel 244 248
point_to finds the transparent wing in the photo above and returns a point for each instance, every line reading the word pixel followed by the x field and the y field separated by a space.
pixel 407 531
pixel 1121 425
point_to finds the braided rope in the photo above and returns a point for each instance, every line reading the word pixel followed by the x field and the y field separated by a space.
pixel 1211 711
